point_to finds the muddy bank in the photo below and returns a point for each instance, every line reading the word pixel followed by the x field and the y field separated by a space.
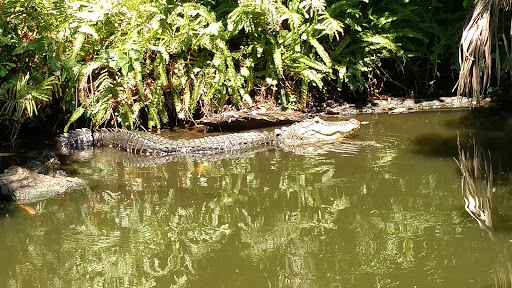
pixel 401 105
pixel 261 116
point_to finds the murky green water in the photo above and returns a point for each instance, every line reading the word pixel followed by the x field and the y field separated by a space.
pixel 391 216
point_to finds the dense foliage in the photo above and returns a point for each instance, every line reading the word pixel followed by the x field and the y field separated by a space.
pixel 127 63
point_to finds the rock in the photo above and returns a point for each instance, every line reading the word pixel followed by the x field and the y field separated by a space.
pixel 36 181
pixel 398 110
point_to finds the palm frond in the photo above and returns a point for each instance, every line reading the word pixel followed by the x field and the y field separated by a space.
pixel 475 50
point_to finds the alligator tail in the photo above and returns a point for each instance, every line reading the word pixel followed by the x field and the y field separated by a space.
pixel 132 141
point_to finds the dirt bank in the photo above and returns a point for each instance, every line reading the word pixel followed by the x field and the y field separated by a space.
pixel 260 116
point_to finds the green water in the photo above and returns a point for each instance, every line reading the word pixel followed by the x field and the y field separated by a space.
pixel 390 216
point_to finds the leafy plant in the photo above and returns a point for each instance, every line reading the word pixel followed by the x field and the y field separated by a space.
pixel 21 100
pixel 139 62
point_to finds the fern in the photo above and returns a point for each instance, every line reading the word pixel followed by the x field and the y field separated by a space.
pixel 278 61
pixel 76 114
pixel 21 99
pixel 312 76
pixel 113 61
pixel 329 26
pixel 321 51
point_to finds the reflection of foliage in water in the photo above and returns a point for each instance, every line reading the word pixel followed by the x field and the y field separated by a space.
pixel 134 241
pixel 292 236
pixel 153 225
pixel 272 219
pixel 160 225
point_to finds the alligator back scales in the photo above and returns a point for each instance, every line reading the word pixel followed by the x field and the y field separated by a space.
pixel 301 133
pixel 150 144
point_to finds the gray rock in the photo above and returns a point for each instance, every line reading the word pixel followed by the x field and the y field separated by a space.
pixel 36 181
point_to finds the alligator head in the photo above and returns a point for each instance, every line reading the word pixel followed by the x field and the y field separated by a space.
pixel 315 130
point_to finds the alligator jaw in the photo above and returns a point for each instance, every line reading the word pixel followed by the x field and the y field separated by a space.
pixel 316 130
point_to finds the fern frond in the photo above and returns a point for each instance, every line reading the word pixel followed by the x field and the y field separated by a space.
pixel 321 51
pixel 76 114
pixel 312 75
pixel 278 62
pixel 378 41
pixel 304 90
pixel 329 26
pixel 312 7
pixel 313 64
pixel 21 98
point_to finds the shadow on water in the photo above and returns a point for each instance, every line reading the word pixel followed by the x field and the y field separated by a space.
pixel 434 144
pixel 489 127
pixel 485 134
pixel 487 200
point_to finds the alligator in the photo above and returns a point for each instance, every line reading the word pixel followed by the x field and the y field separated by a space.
pixel 41 179
pixel 306 132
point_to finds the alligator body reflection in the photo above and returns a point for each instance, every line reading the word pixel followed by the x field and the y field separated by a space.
pixel 306 133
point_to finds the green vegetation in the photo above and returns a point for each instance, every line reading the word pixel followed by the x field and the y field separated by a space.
pixel 138 62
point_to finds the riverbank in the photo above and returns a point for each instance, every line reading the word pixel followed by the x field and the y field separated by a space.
pixel 258 116
pixel 265 115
